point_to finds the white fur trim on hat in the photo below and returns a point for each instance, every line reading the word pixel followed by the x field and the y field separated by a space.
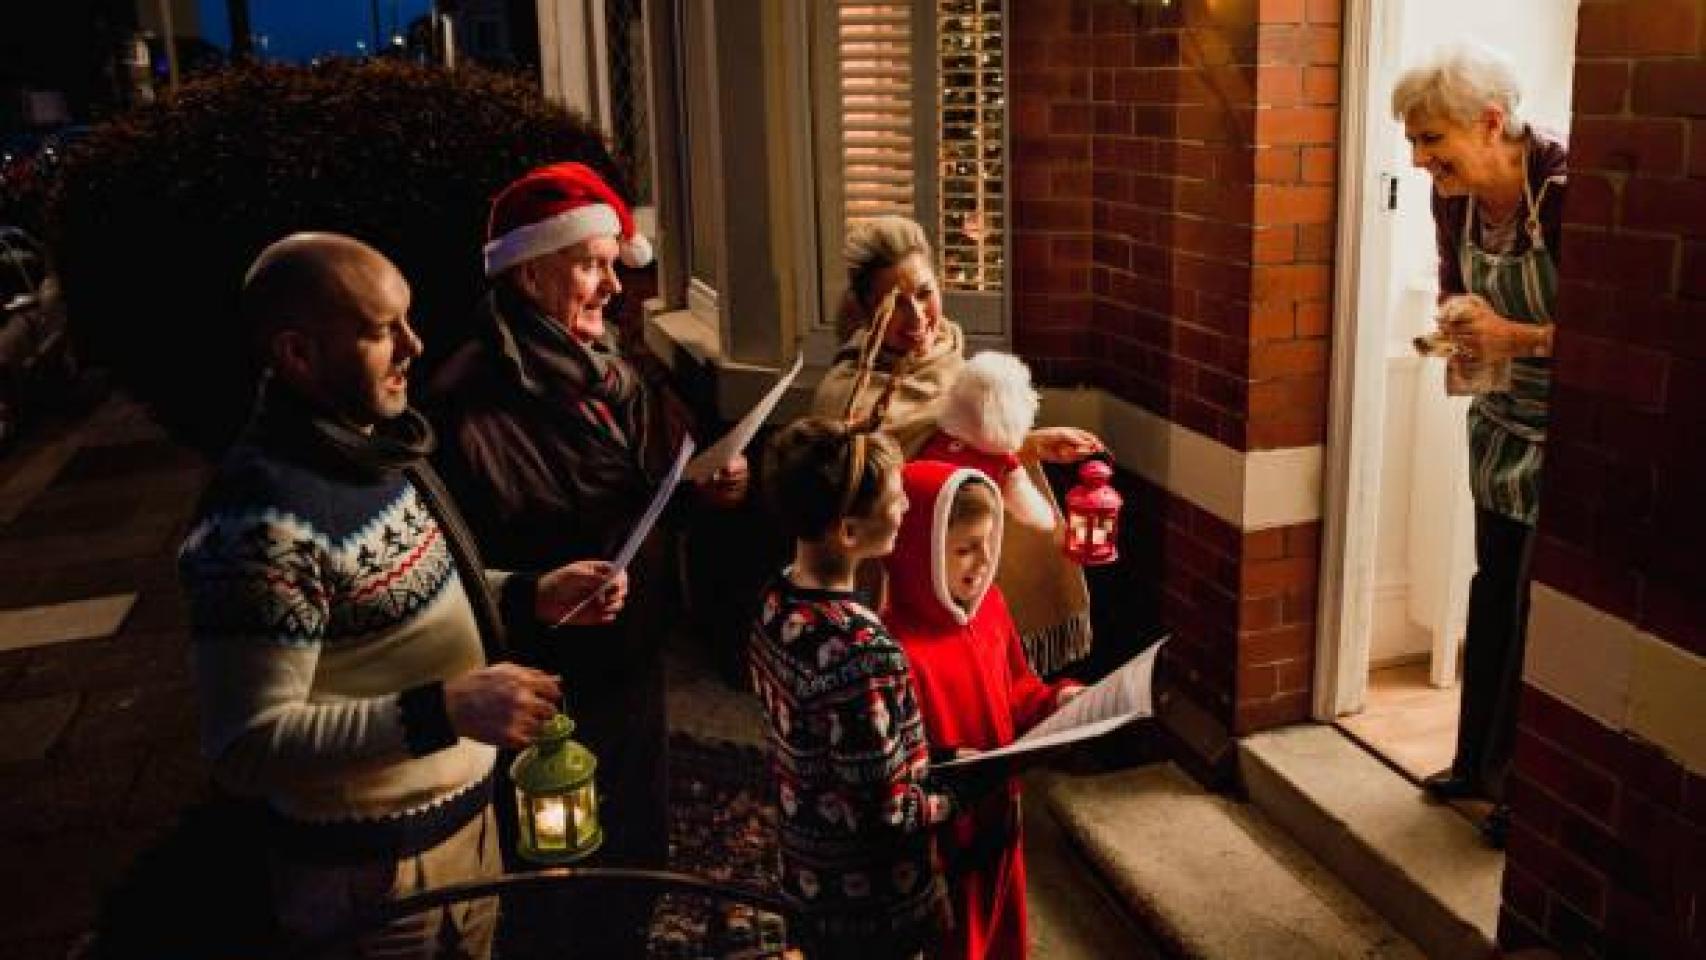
pixel 991 404
pixel 552 234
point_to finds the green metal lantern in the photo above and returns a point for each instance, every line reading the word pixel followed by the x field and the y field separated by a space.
pixel 555 796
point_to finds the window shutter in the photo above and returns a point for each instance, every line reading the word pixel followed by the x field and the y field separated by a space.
pixel 878 159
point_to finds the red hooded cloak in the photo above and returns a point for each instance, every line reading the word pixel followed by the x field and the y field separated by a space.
pixel 975 690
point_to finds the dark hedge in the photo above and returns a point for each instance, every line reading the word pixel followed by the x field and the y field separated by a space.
pixel 159 212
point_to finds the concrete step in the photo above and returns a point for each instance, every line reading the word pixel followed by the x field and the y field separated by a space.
pixel 1422 866
pixel 1073 916
pixel 1208 878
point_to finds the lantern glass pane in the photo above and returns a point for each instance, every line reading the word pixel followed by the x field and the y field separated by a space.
pixel 585 807
pixel 550 823
pixel 1104 528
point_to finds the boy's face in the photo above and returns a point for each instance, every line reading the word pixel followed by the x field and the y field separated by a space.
pixel 873 536
pixel 970 552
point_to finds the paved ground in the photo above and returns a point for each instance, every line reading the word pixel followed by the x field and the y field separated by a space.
pixel 98 755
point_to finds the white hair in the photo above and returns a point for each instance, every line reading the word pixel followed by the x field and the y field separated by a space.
pixel 1456 82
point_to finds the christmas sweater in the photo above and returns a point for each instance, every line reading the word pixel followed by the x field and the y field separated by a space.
pixel 326 611
pixel 849 759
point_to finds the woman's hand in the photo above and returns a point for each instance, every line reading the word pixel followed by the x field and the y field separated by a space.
pixel 1481 334
pixel 726 487
pixel 584 588
pixel 1061 444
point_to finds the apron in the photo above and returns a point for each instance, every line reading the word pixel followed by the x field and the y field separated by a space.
pixel 1507 430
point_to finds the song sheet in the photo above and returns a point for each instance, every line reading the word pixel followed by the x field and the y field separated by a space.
pixel 720 453
pixel 641 529
pixel 1125 695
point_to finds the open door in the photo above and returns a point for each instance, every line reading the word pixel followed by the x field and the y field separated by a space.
pixel 1398 533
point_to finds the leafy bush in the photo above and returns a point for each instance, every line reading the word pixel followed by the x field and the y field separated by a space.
pixel 159 213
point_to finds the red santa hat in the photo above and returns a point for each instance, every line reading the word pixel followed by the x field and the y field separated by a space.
pixel 554 207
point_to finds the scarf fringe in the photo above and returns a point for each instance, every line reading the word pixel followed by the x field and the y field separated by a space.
pixel 1053 649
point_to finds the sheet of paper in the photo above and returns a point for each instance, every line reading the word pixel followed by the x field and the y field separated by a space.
pixel 1121 697
pixel 721 452
pixel 641 529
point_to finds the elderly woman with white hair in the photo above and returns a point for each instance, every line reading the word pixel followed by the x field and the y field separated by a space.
pixel 1497 207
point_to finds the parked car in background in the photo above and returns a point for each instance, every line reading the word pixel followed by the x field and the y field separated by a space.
pixel 36 362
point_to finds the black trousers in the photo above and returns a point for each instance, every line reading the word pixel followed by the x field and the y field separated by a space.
pixel 1493 645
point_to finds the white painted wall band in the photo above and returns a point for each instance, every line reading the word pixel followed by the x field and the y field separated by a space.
pixel 1607 668
pixel 1255 490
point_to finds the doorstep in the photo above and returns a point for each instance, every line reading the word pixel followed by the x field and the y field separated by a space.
pixel 1209 878
pixel 1422 865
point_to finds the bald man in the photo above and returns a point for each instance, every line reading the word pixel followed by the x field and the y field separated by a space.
pixel 342 620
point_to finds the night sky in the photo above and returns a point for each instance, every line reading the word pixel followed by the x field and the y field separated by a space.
pixel 297 30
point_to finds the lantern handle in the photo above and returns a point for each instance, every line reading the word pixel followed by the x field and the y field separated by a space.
pixel 1103 455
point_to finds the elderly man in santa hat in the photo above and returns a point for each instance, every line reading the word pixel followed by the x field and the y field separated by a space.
pixel 554 445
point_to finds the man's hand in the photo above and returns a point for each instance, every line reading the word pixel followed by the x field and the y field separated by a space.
pixel 565 588
pixel 1481 334
pixel 1062 444
pixel 728 485
pixel 503 704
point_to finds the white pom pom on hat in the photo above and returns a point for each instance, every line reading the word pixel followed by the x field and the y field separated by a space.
pixel 558 206
pixel 991 403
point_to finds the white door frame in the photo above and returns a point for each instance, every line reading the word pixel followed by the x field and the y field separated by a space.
pixel 1357 398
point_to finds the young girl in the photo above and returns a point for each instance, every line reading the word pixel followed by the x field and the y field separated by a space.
pixel 975 688
pixel 856 810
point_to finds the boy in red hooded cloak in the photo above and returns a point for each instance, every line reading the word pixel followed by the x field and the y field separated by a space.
pixel 975 688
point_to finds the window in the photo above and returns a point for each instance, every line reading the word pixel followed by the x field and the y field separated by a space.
pixel 918 128
pixel 629 121
pixel 594 59
pixel 775 124
pixel 971 221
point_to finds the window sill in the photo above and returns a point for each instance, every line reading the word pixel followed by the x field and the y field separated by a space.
pixel 690 347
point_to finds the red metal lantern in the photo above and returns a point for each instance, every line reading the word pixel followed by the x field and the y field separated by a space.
pixel 1093 516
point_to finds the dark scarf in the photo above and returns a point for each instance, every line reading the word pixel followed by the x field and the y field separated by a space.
pixel 591 378
pixel 287 421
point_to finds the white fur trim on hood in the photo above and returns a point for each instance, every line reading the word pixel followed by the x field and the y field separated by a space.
pixel 941 510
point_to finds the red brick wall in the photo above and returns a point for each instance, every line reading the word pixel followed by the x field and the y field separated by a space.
pixel 1608 856
pixel 1606 851
pixel 1049 83
pixel 1174 173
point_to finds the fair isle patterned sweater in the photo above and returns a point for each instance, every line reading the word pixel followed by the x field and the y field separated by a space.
pixel 849 758
pixel 326 612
